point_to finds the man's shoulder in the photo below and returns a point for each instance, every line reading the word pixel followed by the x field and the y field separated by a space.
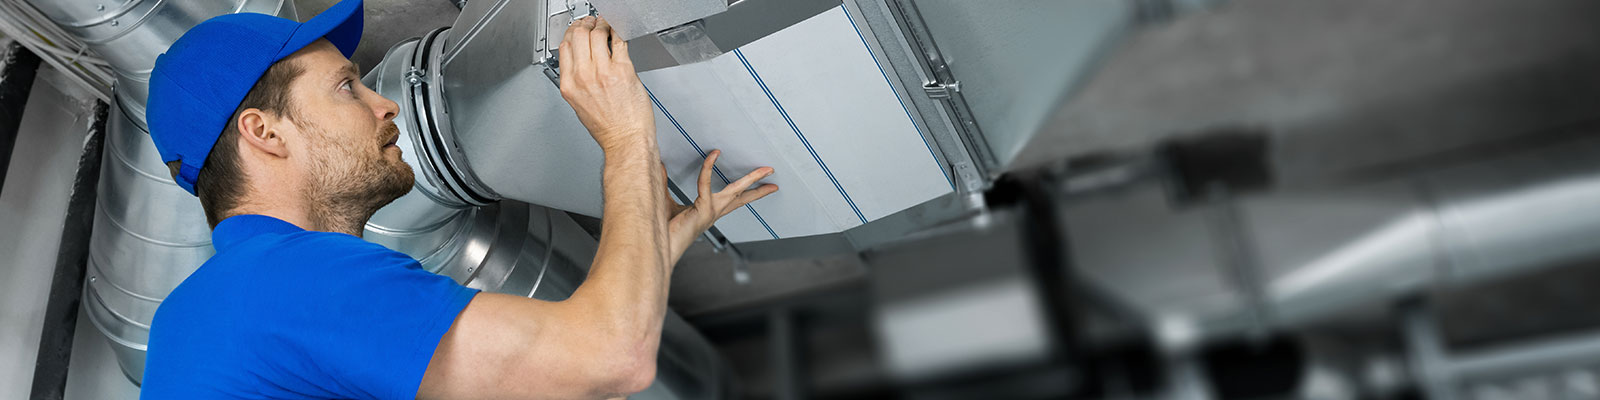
pixel 283 264
pixel 277 300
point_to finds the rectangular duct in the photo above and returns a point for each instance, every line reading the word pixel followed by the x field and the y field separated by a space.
pixel 811 100
pixel 838 101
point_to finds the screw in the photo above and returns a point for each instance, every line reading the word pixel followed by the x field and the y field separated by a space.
pixel 100 7
pixel 115 23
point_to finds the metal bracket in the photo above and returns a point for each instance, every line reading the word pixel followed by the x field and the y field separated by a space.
pixel 971 180
pixel 943 85
pixel 415 76
pixel 741 266
pixel 938 90
pixel 580 9
pixel 552 68
pixel 688 43
pixel 1236 255
pixel 546 50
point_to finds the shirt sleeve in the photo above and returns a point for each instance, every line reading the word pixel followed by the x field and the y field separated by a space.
pixel 359 320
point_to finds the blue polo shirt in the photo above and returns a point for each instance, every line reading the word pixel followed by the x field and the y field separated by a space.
pixel 281 312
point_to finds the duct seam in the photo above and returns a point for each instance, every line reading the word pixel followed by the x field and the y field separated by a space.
pixel 117 152
pixel 102 301
pixel 142 237
pixel 94 265
pixel 131 27
pixel 117 340
pixel 127 7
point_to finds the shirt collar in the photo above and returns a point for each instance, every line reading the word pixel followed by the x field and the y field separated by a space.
pixel 239 228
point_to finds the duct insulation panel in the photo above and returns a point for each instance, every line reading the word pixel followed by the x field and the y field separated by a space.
pixel 812 102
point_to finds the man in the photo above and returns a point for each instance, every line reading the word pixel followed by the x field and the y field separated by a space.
pixel 267 122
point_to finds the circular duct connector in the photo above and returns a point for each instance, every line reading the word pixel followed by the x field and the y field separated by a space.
pixel 410 75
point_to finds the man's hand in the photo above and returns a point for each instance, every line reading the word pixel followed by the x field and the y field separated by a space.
pixel 598 80
pixel 689 221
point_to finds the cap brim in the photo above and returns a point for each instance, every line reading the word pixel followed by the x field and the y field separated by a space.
pixel 340 24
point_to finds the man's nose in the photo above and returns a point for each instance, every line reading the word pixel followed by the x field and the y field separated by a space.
pixel 384 109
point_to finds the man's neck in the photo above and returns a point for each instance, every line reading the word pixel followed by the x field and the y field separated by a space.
pixel 349 221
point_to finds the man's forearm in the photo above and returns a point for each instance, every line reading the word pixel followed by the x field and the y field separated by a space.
pixel 628 280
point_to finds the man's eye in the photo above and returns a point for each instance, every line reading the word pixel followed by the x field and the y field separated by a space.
pixel 344 86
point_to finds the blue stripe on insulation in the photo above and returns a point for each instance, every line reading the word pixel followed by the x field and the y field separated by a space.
pixel 797 133
pixel 697 149
pixel 914 123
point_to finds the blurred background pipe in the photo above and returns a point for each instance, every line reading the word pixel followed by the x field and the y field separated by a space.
pixel 16 80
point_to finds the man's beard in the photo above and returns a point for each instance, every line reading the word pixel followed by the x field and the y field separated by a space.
pixel 351 180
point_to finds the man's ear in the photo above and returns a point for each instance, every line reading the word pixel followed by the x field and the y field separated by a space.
pixel 260 130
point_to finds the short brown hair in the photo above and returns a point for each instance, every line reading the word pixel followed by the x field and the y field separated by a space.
pixel 220 185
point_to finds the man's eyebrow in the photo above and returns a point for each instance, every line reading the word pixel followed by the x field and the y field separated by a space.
pixel 348 70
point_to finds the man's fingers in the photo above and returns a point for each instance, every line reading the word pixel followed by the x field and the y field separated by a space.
pixel 564 58
pixel 748 179
pixel 578 39
pixel 706 169
pixel 600 41
pixel 619 50
pixel 751 195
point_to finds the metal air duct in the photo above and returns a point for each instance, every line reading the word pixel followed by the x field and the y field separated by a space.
pixel 839 96
pixel 484 94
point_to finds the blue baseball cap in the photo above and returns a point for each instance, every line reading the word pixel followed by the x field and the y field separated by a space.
pixel 198 83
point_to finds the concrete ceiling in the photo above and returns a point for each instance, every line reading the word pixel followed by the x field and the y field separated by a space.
pixel 1341 85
